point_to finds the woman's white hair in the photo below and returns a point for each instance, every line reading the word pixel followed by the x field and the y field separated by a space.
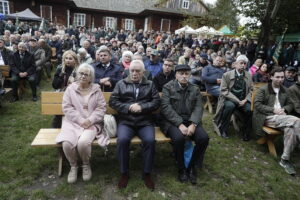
pixel 90 68
pixel 134 62
pixel 127 53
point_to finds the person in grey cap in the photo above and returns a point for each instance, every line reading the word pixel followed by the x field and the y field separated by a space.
pixel 236 92
pixel 153 65
pixel 181 110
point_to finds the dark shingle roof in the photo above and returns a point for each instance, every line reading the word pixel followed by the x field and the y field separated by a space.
pixel 124 6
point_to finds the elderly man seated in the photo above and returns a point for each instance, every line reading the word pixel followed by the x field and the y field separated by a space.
pixel 135 98
pixel 271 107
pixel 181 119
pixel 236 91
pixel 84 57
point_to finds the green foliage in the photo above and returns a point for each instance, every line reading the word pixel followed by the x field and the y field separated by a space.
pixel 287 15
pixel 246 32
pixel 223 13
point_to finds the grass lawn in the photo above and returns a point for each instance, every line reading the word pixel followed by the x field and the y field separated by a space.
pixel 233 169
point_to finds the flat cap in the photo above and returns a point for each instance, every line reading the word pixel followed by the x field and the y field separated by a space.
pixel 182 68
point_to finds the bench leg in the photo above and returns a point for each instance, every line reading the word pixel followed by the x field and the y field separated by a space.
pixel 262 140
pixel 208 105
pixel 271 146
pixel 60 161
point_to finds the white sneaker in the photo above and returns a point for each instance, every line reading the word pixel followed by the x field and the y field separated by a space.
pixel 72 176
pixel 86 172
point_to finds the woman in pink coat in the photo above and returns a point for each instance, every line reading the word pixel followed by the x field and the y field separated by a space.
pixel 255 66
pixel 84 107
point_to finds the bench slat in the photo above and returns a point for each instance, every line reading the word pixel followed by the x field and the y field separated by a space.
pixel 271 131
pixel 46 138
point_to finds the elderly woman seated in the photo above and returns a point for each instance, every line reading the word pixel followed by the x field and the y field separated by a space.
pixel 84 107
pixel 84 57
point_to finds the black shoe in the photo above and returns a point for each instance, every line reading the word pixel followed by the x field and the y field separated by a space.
pixel 14 99
pixel 123 181
pixel 34 99
pixel 246 137
pixel 193 175
pixel 183 176
pixel 224 135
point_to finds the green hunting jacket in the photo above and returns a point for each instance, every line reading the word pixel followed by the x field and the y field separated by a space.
pixel 294 94
pixel 170 105
pixel 264 105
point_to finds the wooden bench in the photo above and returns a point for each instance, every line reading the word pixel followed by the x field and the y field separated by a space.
pixel 5 76
pixel 51 104
pixel 271 133
pixel 5 69
pixel 208 103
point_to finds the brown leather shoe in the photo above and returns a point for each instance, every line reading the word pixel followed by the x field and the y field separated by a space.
pixel 123 181
pixel 148 181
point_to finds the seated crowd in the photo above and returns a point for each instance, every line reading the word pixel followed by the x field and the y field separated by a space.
pixel 135 68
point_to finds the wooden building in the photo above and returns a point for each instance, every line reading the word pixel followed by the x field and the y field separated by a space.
pixel 115 14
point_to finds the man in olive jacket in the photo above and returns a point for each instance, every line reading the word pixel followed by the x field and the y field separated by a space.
pixel 182 110
pixel 294 94
pixel 236 92
pixel 271 106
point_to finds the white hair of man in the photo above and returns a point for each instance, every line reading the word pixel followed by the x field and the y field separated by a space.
pixel 242 58
pixel 127 53
pixel 22 44
pixel 90 69
pixel 82 51
pixel 134 62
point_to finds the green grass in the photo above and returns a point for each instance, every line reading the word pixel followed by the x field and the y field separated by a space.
pixel 233 169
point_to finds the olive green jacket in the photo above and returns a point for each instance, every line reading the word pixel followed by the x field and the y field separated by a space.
pixel 170 105
pixel 264 105
pixel 294 94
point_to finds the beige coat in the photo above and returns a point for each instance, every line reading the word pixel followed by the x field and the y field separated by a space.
pixel 226 94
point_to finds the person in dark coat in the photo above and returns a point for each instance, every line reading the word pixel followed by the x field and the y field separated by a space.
pixel 294 94
pixel 106 73
pixel 289 77
pixel 135 98
pixel 181 111
pixel 65 75
pixel 166 75
pixel 23 67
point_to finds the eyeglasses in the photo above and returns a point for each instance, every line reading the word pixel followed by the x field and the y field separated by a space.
pixel 167 65
pixel 83 74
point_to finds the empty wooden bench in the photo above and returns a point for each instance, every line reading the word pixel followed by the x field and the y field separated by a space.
pixel 51 104
pixel 4 69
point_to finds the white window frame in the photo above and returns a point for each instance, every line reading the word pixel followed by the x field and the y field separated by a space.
pixel 161 24
pixel 110 22
pixel 185 4
pixel 146 23
pixel 41 8
pixel 129 24
pixel 5 4
pixel 79 19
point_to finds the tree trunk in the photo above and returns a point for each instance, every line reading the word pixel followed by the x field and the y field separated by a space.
pixel 271 11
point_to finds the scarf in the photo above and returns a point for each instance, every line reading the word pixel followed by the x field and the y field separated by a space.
pixel 126 64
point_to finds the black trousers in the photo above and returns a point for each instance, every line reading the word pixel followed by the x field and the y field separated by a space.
pixel 229 108
pixel 125 133
pixel 15 84
pixel 200 138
